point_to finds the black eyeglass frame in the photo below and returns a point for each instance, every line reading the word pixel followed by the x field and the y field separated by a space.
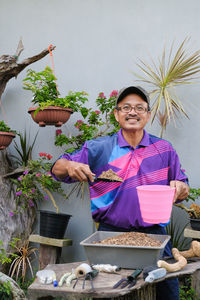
pixel 132 107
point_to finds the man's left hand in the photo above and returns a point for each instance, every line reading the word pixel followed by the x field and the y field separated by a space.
pixel 182 189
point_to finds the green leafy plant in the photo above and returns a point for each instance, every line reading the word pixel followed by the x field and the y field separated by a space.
pixel 96 123
pixel 5 291
pixel 186 291
pixel 45 93
pixel 194 209
pixel 164 77
pixel 36 184
pixel 24 149
pixel 6 257
pixel 5 128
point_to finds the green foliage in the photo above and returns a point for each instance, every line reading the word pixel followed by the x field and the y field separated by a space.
pixel 25 284
pixel 45 93
pixel 23 149
pixel 96 123
pixel 4 256
pixel 193 195
pixel 5 128
pixel 32 184
pixel 5 291
pixel 186 292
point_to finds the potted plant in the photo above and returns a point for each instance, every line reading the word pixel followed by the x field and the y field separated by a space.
pixel 37 184
pixel 194 209
pixel 50 108
pixel 172 70
pixel 6 135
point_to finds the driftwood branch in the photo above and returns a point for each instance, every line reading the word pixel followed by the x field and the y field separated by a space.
pixel 17 293
pixel 9 67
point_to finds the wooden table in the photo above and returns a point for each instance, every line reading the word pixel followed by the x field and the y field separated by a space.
pixel 50 249
pixel 103 284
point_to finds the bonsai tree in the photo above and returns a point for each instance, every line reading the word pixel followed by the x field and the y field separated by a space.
pixel 194 209
pixel 45 92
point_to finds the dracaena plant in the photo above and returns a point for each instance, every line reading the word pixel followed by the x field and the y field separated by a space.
pixel 180 68
pixel 45 92
pixel 36 184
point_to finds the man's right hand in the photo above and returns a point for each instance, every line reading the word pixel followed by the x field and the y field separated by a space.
pixel 75 170
pixel 80 171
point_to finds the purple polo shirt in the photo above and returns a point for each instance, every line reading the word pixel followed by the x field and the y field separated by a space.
pixel 153 161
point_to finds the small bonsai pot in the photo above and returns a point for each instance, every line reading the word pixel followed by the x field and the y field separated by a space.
pixel 51 115
pixel 195 224
pixel 6 139
pixel 53 225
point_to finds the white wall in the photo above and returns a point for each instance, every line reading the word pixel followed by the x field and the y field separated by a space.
pixel 98 43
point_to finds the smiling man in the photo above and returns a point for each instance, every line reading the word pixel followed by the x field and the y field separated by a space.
pixel 138 158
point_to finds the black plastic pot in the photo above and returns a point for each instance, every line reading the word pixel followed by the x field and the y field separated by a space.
pixel 53 225
pixel 195 224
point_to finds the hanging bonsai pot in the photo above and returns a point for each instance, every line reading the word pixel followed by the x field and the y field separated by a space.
pixel 51 115
pixel 5 139
pixel 53 225
pixel 49 108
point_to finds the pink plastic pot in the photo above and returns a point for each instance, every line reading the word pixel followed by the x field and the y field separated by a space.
pixel 156 202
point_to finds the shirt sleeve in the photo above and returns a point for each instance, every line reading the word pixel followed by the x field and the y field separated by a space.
pixel 80 156
pixel 175 170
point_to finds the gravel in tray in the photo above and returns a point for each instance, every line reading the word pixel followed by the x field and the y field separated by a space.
pixel 131 239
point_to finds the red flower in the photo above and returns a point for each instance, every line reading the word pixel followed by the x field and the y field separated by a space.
pixel 49 156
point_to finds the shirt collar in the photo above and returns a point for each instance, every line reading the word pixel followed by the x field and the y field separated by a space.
pixel 123 143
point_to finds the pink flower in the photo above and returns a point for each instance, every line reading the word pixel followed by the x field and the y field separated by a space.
pixel 19 178
pixel 11 214
pixel 18 193
pixel 25 172
pixel 101 95
pixel 58 132
pixel 97 112
pixel 38 174
pixel 31 204
pixel 114 93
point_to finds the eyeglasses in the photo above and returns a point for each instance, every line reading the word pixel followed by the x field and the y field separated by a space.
pixel 126 108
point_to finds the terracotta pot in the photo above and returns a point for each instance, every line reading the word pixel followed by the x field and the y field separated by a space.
pixel 51 115
pixel 6 139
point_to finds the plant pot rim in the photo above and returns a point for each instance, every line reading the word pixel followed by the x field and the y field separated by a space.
pixel 54 213
pixel 12 134
pixel 31 109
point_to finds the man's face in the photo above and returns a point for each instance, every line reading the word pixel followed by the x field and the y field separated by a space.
pixel 132 120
